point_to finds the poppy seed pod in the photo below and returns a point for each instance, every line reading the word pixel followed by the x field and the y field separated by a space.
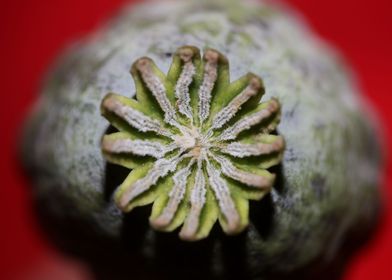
pixel 207 140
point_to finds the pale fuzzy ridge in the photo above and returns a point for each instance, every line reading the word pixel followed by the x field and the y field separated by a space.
pixel 242 150
pixel 209 79
pixel 248 121
pixel 176 196
pixel 160 169
pixel 135 118
pixel 233 107
pixel 182 89
pixel 244 177
pixel 137 147
pixel 197 200
pixel 225 201
pixel 157 88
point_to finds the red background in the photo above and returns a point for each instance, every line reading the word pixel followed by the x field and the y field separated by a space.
pixel 33 33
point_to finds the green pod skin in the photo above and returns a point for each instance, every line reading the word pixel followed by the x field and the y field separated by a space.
pixel 324 203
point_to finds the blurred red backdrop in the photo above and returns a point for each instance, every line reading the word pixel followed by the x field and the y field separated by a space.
pixel 33 33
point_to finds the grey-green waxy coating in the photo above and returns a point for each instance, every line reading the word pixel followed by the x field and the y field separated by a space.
pixel 324 203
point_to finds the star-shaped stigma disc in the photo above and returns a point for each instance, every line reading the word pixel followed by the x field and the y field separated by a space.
pixel 197 145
